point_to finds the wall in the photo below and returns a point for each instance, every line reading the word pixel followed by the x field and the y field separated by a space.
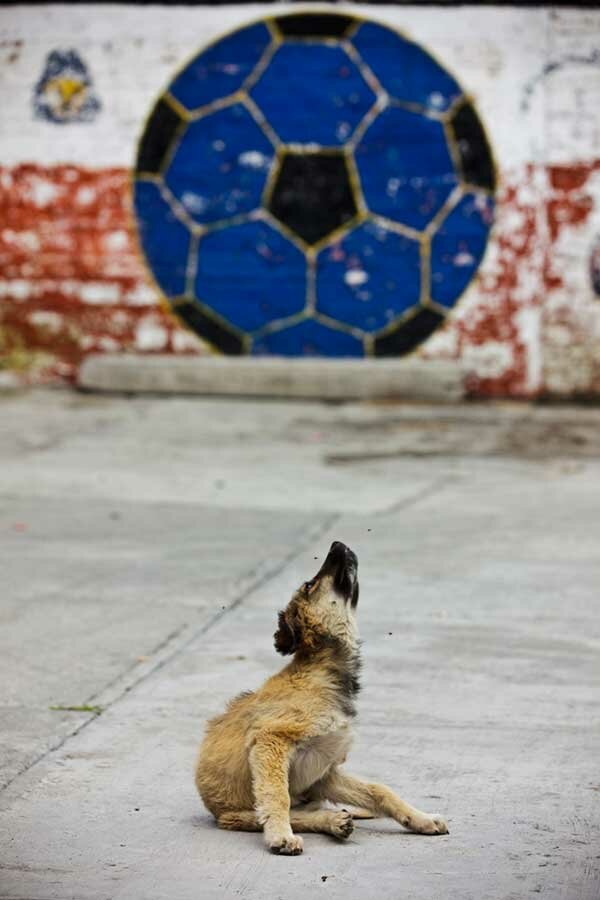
pixel 71 280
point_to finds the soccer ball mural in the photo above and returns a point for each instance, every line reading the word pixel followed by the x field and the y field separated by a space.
pixel 314 183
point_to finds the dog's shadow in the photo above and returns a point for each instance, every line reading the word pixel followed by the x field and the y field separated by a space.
pixel 379 827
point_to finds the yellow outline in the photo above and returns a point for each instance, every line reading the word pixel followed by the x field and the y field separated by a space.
pixel 381 104
pixel 369 345
pixel 241 219
pixel 295 239
pixel 425 272
pixel 279 324
pixel 437 307
pixel 365 70
pixel 191 268
pixel 271 23
pixel 456 105
pixel 178 108
pixel 452 145
pixel 452 200
pixel 274 171
pixel 261 120
pixel 339 233
pixel 172 147
pixel 265 58
pixel 178 209
pixel 417 110
pixel 311 283
pixel 210 313
pixel 470 188
pixel 336 325
pixel 200 112
pixel 397 227
pixel 313 41
pixel 355 182
pixel 150 177
pixel 406 316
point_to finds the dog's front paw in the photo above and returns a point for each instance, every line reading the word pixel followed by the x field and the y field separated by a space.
pixel 342 825
pixel 287 846
pixel 423 824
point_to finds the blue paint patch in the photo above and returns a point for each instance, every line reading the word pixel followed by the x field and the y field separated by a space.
pixel 458 247
pixel 405 167
pixel 250 280
pixel 250 274
pixel 312 93
pixel 221 165
pixel 369 278
pixel 65 93
pixel 308 338
pixel 222 69
pixel 404 69
pixel 165 240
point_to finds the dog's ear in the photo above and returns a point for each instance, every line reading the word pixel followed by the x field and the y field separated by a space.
pixel 287 636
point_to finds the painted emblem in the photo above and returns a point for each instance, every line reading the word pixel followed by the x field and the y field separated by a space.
pixel 314 183
pixel 65 93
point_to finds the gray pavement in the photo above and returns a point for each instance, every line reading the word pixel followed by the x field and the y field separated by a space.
pixel 147 545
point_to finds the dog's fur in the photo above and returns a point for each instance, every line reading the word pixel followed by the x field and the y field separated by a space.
pixel 274 756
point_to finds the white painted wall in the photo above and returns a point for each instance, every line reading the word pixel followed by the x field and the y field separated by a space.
pixel 132 52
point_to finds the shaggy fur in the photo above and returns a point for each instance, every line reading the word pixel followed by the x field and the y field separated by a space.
pixel 274 756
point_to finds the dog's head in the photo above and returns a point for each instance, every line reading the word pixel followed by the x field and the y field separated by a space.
pixel 322 610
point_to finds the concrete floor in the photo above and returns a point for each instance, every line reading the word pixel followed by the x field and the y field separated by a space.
pixel 147 546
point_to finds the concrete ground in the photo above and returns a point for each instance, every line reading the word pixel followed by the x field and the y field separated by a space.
pixel 147 546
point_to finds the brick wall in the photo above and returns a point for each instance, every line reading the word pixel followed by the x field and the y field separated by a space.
pixel 71 280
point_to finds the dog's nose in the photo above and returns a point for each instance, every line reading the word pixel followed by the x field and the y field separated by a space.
pixel 338 549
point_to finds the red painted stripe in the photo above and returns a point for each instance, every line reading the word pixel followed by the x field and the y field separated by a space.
pixel 71 280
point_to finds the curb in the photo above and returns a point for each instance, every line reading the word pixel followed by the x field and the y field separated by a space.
pixel 314 378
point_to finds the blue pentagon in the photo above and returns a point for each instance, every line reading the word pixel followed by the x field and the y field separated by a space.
pixel 369 278
pixel 222 68
pixel 164 239
pixel 458 247
pixel 404 70
pixel 250 274
pixel 405 167
pixel 312 93
pixel 220 166
pixel 308 338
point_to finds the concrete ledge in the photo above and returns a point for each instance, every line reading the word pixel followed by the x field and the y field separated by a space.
pixel 328 379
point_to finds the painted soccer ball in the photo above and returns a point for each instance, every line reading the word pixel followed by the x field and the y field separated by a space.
pixel 314 184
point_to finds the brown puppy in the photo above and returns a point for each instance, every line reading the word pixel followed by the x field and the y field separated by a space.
pixel 282 746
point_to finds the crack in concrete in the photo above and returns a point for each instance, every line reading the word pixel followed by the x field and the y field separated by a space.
pixel 177 641
pixel 427 491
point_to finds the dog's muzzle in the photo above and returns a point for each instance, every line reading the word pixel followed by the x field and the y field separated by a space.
pixel 342 565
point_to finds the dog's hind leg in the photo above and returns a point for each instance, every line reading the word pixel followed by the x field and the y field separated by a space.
pixel 326 821
pixel 341 788
pixel 245 820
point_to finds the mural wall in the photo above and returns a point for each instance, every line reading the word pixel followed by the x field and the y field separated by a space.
pixel 314 183
pixel 376 180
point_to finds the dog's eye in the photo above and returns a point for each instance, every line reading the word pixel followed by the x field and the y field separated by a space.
pixel 309 584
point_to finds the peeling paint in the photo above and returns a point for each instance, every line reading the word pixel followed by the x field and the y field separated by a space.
pixel 71 281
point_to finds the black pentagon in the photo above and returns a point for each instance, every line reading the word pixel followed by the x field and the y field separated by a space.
pixel 314 25
pixel 474 150
pixel 312 194
pixel 158 134
pixel 408 334
pixel 208 328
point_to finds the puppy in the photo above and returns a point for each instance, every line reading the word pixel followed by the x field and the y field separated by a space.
pixel 274 756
